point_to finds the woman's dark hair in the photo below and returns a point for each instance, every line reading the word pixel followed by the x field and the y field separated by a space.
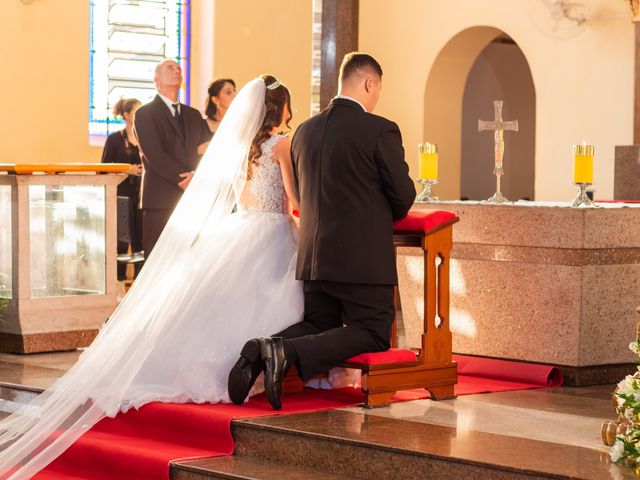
pixel 275 100
pixel 213 91
pixel 125 105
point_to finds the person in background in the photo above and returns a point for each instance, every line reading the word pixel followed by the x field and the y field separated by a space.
pixel 122 147
pixel 173 137
pixel 221 93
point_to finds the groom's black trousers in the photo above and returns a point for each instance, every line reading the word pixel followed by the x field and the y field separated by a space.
pixel 340 320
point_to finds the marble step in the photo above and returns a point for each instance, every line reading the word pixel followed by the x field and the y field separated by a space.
pixel 13 397
pixel 345 443
pixel 245 468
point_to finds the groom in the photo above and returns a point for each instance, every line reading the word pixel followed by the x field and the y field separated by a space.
pixel 352 183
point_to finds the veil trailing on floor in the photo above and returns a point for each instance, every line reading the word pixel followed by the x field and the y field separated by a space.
pixel 97 385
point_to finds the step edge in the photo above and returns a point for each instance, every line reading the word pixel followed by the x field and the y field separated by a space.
pixel 398 450
pixel 200 470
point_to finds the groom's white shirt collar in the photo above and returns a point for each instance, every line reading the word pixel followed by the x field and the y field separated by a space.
pixel 169 103
pixel 352 99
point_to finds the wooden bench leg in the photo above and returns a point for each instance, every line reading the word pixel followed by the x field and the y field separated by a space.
pixel 380 399
pixel 444 392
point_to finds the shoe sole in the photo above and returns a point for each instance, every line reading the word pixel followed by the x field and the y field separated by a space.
pixel 238 384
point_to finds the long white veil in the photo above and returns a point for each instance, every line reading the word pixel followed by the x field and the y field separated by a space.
pixel 97 385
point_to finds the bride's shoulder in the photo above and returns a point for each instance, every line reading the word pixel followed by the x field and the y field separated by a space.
pixel 282 145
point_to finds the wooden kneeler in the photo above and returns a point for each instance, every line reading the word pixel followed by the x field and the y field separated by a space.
pixel 385 373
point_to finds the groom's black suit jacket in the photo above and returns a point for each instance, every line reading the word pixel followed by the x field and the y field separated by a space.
pixel 352 182
pixel 167 150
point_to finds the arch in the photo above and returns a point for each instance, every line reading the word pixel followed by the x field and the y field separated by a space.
pixel 443 101
pixel 501 72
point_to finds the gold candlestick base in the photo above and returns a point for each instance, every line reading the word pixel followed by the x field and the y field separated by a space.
pixel 427 195
pixel 582 200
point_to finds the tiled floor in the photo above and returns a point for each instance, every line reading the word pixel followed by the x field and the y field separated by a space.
pixel 37 370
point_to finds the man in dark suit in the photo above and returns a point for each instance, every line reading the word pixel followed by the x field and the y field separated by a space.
pixel 172 137
pixel 352 182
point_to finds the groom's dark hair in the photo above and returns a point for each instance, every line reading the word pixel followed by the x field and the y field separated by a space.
pixel 356 61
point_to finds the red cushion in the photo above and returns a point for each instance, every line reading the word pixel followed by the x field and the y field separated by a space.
pixel 393 355
pixel 422 220
pixel 416 220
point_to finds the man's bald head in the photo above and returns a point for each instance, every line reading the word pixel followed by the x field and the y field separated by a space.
pixel 168 74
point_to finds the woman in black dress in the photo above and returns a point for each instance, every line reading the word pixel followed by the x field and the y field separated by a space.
pixel 122 147
pixel 220 94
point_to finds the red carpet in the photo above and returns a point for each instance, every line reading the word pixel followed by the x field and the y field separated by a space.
pixel 482 375
pixel 140 444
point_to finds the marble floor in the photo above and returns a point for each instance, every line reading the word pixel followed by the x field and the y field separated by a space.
pixel 545 433
pixel 542 415
pixel 35 371
pixel 554 430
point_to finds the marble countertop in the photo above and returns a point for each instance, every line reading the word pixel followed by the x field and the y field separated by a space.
pixel 525 203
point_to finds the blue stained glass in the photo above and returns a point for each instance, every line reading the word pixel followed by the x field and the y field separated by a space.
pixel 128 38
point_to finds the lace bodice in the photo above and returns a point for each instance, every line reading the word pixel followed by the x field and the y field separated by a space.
pixel 264 191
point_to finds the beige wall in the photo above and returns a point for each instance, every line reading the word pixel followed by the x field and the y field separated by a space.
pixel 584 85
pixel 45 82
pixel 253 37
pixel 45 52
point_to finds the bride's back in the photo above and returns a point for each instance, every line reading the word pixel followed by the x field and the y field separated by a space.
pixel 264 191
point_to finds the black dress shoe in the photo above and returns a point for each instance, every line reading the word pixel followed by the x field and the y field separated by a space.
pixel 276 366
pixel 245 372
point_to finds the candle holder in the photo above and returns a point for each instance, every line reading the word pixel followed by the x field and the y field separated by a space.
pixel 583 174
pixel 426 195
pixel 581 198
pixel 428 171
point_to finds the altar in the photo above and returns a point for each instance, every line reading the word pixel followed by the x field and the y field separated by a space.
pixel 538 282
pixel 57 254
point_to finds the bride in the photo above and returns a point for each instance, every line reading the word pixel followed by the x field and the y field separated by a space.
pixel 214 280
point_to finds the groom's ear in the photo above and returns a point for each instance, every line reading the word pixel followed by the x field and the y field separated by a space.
pixel 368 84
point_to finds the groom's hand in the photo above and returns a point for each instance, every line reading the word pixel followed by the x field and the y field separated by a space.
pixel 186 179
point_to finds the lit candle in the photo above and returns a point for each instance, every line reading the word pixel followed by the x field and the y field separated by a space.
pixel 428 163
pixel 583 163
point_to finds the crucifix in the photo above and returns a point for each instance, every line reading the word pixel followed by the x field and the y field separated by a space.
pixel 498 126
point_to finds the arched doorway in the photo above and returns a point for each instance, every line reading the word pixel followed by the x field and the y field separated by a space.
pixel 500 72
pixel 477 66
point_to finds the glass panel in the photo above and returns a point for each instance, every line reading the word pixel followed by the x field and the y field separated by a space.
pixel 128 39
pixel 6 249
pixel 67 227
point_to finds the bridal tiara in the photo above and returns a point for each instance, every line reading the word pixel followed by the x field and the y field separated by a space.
pixel 274 85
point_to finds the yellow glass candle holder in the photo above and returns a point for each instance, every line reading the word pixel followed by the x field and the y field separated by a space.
pixel 427 171
pixel 583 173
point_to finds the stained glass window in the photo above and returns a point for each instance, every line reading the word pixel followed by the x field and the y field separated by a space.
pixel 316 55
pixel 128 39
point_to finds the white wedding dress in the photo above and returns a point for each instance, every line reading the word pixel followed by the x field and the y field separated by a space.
pixel 214 280
pixel 243 287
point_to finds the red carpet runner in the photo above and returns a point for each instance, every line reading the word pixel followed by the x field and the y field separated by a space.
pixel 140 444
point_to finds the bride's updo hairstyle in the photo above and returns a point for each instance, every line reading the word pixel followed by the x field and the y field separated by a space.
pixel 275 99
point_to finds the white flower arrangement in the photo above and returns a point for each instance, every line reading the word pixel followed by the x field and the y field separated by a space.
pixel 626 448
pixel 616 451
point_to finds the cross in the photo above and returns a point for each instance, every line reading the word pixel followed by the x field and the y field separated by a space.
pixel 498 126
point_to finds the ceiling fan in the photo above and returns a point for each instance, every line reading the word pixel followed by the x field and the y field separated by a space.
pixel 561 19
